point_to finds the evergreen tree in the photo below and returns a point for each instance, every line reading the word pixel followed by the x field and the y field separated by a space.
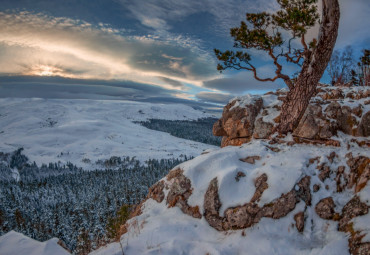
pixel 262 32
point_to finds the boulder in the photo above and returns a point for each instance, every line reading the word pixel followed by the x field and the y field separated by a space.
pixel 238 121
pixel 307 128
pixel 212 205
pixel 257 117
pixel 179 192
pixel 364 126
pixel 262 130
pixel 325 208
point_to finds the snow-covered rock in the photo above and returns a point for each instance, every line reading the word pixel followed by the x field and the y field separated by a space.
pixel 257 198
pixel 14 243
pixel 333 109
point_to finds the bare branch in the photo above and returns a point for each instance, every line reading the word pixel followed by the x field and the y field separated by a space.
pixel 303 41
pixel 285 77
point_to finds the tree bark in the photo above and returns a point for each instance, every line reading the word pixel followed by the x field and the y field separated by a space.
pixel 313 68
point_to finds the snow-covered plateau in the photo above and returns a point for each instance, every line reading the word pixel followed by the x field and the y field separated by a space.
pixel 52 130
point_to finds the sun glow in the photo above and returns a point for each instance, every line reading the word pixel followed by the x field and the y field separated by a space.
pixel 45 70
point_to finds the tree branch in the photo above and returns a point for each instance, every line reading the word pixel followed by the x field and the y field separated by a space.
pixel 285 77
pixel 296 58
pixel 303 41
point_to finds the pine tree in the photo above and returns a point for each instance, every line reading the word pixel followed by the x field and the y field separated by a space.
pixel 262 32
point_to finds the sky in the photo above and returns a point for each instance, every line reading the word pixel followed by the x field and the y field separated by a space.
pixel 144 50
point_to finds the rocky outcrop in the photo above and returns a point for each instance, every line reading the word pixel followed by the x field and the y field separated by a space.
pixel 237 123
pixel 250 213
pixel 156 192
pixel 333 109
pixel 244 216
pixel 328 187
pixel 325 190
pixel 212 205
pixel 179 192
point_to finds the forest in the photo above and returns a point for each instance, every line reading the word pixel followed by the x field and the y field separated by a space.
pixel 77 206
pixel 196 130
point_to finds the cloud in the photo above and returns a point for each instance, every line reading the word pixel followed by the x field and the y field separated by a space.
pixel 244 82
pixel 354 24
pixel 36 44
pixel 66 88
pixel 214 97
pixel 161 15
pixel 174 55
pixel 57 87
pixel 174 83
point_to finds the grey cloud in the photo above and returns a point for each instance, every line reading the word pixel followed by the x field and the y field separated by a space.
pixel 159 14
pixel 88 51
pixel 213 97
pixel 64 88
pixel 174 83
pixel 353 25
pixel 241 83
pixel 195 104
pixel 172 60
pixel 56 87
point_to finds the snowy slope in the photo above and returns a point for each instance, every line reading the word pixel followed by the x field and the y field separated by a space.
pixel 163 230
pixel 14 243
pixel 52 130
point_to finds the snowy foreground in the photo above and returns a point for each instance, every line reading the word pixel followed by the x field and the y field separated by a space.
pixel 14 243
pixel 94 129
pixel 163 230
pixel 52 130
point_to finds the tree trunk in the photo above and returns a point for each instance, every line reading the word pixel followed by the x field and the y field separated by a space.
pixel 313 68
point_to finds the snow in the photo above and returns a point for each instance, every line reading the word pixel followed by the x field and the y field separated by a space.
pixel 52 130
pixel 14 243
pixel 280 168
pixel 269 102
pixel 363 223
pixel 168 231
pixel 245 100
pixel 15 174
pixel 365 194
pixel 162 230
